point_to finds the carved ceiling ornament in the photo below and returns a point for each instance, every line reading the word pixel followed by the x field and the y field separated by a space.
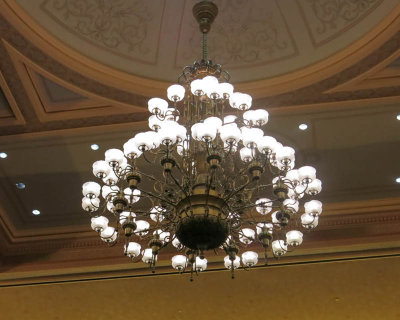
pixel 121 26
pixel 328 19
pixel 257 35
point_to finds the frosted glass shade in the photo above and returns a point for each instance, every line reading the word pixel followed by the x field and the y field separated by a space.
pixel 108 234
pixel 266 144
pixel 111 179
pixel 228 262
pixel 251 136
pixel 133 249
pixel 279 248
pixel 294 238
pixel 142 227
pixel 241 101
pixel 230 133
pixel 99 223
pixel 247 235
pixel 176 92
pixel 101 169
pixel 132 196
pixel 246 154
pixel 249 258
pixel 285 155
pixel 91 189
pixel 264 206
pixel 291 205
pixel 313 207
pixel 176 243
pixel 226 89
pixel 114 157
pixel 206 132
pixel 229 119
pixel 147 140
pixel 154 122
pixel 124 216
pixel 308 221
pixel 90 205
pixel 210 86
pixel 109 192
pixel 314 187
pixel 200 264
pixel 156 214
pixel 179 262
pixel 293 176
pixel 148 256
pixel 197 87
pixel 306 174
pixel 163 235
pixel 257 117
pixel 214 122
pixel 261 225
pixel 157 105
pixel 131 150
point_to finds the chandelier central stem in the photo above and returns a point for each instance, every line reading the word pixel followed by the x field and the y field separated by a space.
pixel 205 46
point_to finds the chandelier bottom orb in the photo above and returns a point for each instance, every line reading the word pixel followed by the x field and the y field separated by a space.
pixel 202 225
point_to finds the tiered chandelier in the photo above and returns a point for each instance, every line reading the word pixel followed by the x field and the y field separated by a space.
pixel 203 179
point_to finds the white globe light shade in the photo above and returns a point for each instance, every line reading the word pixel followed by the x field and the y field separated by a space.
pixel 197 87
pixel 132 196
pixel 176 92
pixel 291 205
pixel 249 258
pixel 266 144
pixel 108 234
pixel 206 132
pixel 230 133
pixel 148 256
pixel 109 192
pixel 163 235
pixel 306 174
pixel 210 85
pixel 90 205
pixel 131 150
pixel 285 155
pixel 101 169
pixel 251 136
pixel 142 227
pixel 147 140
pixel 313 207
pixel 91 189
pixel 176 243
pixel 293 176
pixel 133 249
pixel 279 248
pixel 228 262
pixel 156 214
pixel 314 187
pixel 264 205
pixel 260 117
pixel 114 157
pixel 111 179
pixel 268 226
pixel 308 221
pixel 157 105
pixel 294 238
pixel 214 122
pixel 241 101
pixel 230 119
pixel 123 216
pixel 247 235
pixel 226 89
pixel 155 123
pixel 200 264
pixel 246 154
pixel 99 223
pixel 179 262
pixel 168 133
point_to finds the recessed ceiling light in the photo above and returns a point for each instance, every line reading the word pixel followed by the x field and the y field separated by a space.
pixel 303 126
pixel 20 185
pixel 398 180
pixel 3 155
pixel 398 117
pixel 36 212
pixel 94 146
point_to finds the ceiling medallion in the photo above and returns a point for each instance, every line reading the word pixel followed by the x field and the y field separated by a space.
pixel 202 179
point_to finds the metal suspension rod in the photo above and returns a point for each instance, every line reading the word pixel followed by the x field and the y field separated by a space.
pixel 204 46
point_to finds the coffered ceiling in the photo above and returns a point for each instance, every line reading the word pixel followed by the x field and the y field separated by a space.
pixel 73 73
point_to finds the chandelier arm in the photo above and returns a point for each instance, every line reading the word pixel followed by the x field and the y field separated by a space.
pixel 178 184
pixel 237 190
pixel 157 197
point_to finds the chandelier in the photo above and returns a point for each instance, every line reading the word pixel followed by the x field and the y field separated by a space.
pixel 204 178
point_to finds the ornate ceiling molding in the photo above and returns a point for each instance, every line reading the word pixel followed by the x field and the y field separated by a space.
pixel 14 117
